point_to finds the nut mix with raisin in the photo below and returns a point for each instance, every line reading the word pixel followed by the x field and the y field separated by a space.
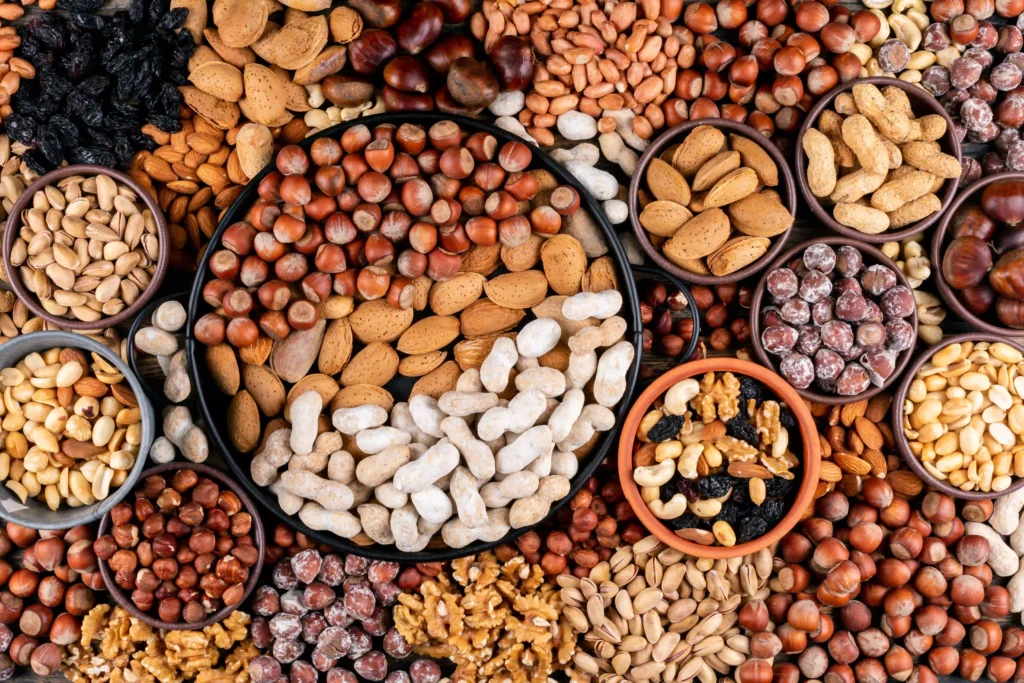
pixel 715 459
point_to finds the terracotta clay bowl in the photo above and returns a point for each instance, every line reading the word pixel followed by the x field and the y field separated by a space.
pixel 941 239
pixel 810 464
pixel 786 189
pixel 903 445
pixel 923 103
pixel 761 297
pixel 14 228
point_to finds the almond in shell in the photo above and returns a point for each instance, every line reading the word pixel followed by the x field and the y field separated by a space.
pixel 331 60
pixel 482 260
pixel 666 183
pixel 325 385
pixel 255 148
pixel 699 236
pixel 701 144
pixel 345 24
pixel 295 96
pixel 421 288
pixel 452 296
pixel 697 266
pixel 263 46
pixel 265 387
pixel 264 95
pixel 219 79
pixel 294 355
pixel 336 348
pixel 202 55
pixel 484 317
pixel 240 23
pixel 375 364
pixel 600 276
pixel 760 215
pixel 557 358
pixel 523 257
pixel 664 218
pixel 223 368
pixel 732 187
pixel 235 56
pixel 195 22
pixel 565 263
pixel 421 364
pixel 518 290
pixel 243 420
pixel 299 42
pixel 307 5
pixel 755 157
pixel 220 113
pixel 437 381
pixel 470 353
pixel 377 320
pixel 430 334
pixel 716 168
pixel 258 352
pixel 363 394
pixel 739 252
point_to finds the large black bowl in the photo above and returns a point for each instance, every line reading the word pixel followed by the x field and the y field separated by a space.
pixel 214 405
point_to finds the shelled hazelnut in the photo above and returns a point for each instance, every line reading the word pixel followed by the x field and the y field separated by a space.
pixel 285 542
pixel 668 325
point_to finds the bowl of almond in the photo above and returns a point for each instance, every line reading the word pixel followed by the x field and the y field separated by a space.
pixel 712 203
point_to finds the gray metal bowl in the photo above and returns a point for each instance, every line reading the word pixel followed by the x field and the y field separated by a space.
pixel 34 514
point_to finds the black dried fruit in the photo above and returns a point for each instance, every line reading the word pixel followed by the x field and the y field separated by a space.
pixel 772 510
pixel 731 513
pixel 741 496
pixel 786 419
pixel 716 485
pixel 779 487
pixel 80 5
pixel 751 388
pixel 666 428
pixel 740 428
pixel 688 488
pixel 750 527
pixel 688 521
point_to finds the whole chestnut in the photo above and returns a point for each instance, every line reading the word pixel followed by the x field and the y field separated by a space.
pixel 973 222
pixel 1003 200
pixel 513 60
pixel 408 74
pixel 373 48
pixel 1010 312
pixel 420 28
pixel 447 50
pixel 347 91
pixel 472 83
pixel 978 300
pixel 966 261
pixel 1007 275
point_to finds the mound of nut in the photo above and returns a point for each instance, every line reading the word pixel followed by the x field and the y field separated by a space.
pixel 876 162
pixel 963 416
pixel 87 247
pixel 73 428
pixel 427 465
pixel 705 188
pixel 714 459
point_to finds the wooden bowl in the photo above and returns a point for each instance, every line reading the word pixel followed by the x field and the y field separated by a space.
pixel 760 294
pixel 939 244
pixel 811 463
pixel 786 189
pixel 922 103
pixel 903 445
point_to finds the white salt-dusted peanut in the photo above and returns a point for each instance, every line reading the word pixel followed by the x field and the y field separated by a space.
pixel 361 493
pixel 341 466
pixel 276 453
pixel 457 535
pixel 538 337
pixel 1001 558
pixel 426 414
pixel 460 404
pixel 593 418
pixel 354 420
pixel 343 524
pixel 376 522
pixel 499 494
pixel 565 464
pixel 464 490
pixel 332 495
pixel 548 381
pixel 170 316
pixel 582 367
pixel 541 466
pixel 1006 514
pixel 377 469
pixel 439 460
pixel 389 496
pixel 156 342
pixel 524 449
pixel 162 450
pixel 495 369
pixel 469 382
pixel 316 460
pixel 403 526
pixel 524 364
pixel 593 337
pixel 478 455
pixel 530 510
pixel 286 500
pixel 610 380
pixel 566 414
pixel 432 504
pixel 380 438
pixel 598 305
pixel 522 413
pixel 401 418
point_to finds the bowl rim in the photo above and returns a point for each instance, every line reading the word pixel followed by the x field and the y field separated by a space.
pixel 814 203
pixel 786 189
pixel 938 251
pixel 896 415
pixel 631 312
pixel 155 393
pixel 14 228
pixel 691 346
pixel 254 571
pixel 808 433
pixel 759 295
pixel 87 514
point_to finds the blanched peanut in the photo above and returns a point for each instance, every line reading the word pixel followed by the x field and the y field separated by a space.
pixel 537 338
pixel 432 504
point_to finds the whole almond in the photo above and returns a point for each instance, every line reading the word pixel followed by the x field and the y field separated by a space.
pixel 732 187
pixel 220 79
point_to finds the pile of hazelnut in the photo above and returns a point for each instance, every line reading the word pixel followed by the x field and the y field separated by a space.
pixel 44 599
pixel 665 314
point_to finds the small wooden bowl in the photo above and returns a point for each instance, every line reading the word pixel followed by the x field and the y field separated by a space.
pixel 761 291
pixel 939 244
pixel 923 103
pixel 811 464
pixel 14 229
pixel 656 275
pixel 903 445
pixel 221 478
pixel 786 189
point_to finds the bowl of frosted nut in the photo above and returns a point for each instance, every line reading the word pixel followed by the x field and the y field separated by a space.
pixel 78 427
pixel 960 419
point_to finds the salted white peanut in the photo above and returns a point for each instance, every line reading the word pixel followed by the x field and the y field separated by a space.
pixel 426 414
pixel 389 496
pixel 376 523
pixel 538 337
pixel 582 367
pixel 332 495
pixel 498 364
pixel 464 404
pixel 401 418
pixel 275 454
pixel 469 382
pixel 565 464
pixel 341 467
pixel 499 494
pixel 541 466
pixel 380 438
pixel 592 337
pixel 304 413
pixel 524 364
pixel 566 414
pixel 478 455
pixel 1017 539
pixel 548 381
pixel 288 501
pixel 1015 587
pixel 361 493
pixel 170 316
pixel 598 305
pixel 465 492
pixel 403 526
pixel 594 418
pixel 610 380
pixel 532 509
pixel 439 460
pixel 343 524
pixel 177 422
pixel 522 413
pixel 377 469
pixel 316 460
pixel 354 420
pixel 1001 558
pixel 523 450
pixel 432 504
pixel 457 535
pixel 1006 515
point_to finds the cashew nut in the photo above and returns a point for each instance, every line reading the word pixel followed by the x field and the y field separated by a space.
pixel 655 475
pixel 675 507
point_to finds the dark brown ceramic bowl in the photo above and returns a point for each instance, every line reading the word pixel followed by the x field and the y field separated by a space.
pixel 256 532
pixel 897 418
pixel 870 253
pixel 923 103
pixel 939 243
pixel 786 189
pixel 14 228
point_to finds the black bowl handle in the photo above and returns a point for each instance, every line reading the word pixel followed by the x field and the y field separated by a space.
pixel 691 347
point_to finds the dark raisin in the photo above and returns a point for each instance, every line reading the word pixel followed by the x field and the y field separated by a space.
pixel 731 512
pixel 666 428
pixel 740 428
pixel 688 521
pixel 715 485
pixel 750 527
pixel 773 510
pixel 751 388
pixel 786 419
pixel 777 486
pixel 688 489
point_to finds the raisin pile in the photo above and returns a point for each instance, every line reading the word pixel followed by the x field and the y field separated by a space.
pixel 100 79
